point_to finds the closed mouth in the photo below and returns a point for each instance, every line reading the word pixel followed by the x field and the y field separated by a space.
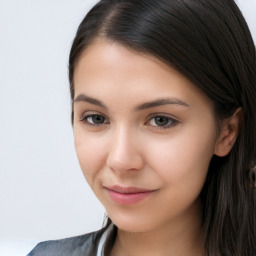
pixel 128 190
pixel 128 195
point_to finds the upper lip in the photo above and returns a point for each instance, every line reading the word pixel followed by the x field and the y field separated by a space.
pixel 128 190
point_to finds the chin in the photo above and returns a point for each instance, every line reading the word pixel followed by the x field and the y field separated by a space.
pixel 134 225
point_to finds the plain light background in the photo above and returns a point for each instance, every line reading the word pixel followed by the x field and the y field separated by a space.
pixel 43 194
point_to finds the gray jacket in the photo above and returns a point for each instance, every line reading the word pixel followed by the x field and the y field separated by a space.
pixel 74 246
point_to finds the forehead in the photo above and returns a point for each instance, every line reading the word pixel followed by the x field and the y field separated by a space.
pixel 110 69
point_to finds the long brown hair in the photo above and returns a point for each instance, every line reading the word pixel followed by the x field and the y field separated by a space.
pixel 208 42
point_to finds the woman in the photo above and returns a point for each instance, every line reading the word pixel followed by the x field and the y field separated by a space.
pixel 163 110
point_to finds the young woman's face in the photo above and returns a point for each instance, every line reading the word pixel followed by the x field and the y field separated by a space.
pixel 144 136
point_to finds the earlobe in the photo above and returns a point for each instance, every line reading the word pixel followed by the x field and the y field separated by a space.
pixel 228 133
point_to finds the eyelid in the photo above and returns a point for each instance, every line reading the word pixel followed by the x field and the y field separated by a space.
pixel 170 117
pixel 85 115
pixel 174 120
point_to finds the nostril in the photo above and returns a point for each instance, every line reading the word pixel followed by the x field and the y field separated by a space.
pixel 123 161
pixel 124 151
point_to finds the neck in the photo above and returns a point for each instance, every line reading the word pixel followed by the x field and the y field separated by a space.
pixel 180 237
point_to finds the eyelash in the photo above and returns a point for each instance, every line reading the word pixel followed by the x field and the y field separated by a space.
pixel 85 118
pixel 171 121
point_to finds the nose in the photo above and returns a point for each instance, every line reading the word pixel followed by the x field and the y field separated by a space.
pixel 124 152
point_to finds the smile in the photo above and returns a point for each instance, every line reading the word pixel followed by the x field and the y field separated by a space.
pixel 128 195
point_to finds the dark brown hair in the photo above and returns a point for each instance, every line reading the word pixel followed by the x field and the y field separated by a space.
pixel 208 42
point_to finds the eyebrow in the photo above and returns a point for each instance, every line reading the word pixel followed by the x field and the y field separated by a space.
pixel 85 98
pixel 161 102
pixel 146 105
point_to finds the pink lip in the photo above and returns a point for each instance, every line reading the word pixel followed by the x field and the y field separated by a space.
pixel 128 195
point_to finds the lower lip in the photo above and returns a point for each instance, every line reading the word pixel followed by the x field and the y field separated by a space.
pixel 127 199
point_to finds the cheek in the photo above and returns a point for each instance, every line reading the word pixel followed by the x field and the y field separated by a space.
pixel 182 158
pixel 90 155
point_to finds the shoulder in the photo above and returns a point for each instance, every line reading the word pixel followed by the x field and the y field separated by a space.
pixel 76 246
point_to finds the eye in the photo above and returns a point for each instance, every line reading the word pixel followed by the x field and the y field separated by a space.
pixel 94 119
pixel 162 122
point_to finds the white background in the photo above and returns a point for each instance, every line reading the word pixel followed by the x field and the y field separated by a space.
pixel 43 194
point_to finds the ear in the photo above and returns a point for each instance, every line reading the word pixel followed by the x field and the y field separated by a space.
pixel 228 133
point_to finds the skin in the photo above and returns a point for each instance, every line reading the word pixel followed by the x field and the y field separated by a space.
pixel 125 144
